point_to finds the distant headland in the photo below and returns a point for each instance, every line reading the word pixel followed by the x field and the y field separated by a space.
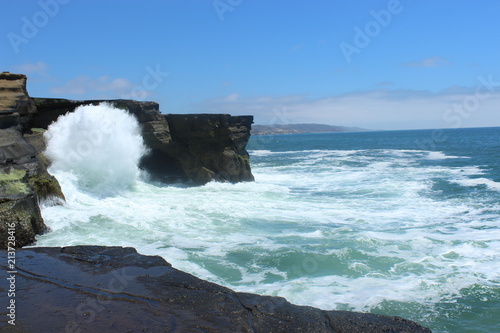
pixel 302 128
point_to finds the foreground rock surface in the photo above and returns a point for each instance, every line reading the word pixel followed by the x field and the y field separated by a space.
pixel 114 289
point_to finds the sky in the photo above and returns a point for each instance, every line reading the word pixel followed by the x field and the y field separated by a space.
pixel 388 64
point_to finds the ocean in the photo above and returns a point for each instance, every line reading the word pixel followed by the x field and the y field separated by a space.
pixel 402 223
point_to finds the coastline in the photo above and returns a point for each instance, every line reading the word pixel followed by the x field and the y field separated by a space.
pixel 69 287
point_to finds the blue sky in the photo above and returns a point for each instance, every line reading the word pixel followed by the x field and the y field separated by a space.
pixel 387 64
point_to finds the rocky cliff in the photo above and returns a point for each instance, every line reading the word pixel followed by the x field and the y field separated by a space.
pixel 111 289
pixel 16 106
pixel 195 148
pixel 114 289
pixel 191 147
pixel 24 180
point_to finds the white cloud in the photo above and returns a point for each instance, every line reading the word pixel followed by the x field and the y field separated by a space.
pixel 232 98
pixel 428 62
pixel 100 87
pixel 374 109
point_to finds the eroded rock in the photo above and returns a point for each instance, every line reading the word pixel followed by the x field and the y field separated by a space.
pixel 24 179
pixel 24 182
pixel 16 106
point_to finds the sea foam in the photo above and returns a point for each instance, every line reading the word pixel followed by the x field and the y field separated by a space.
pixel 385 230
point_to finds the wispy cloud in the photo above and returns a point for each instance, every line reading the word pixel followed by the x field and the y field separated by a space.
pixel 428 62
pixel 385 84
pixel 375 109
pixel 232 97
pixel 39 68
pixel 297 47
pixel 100 87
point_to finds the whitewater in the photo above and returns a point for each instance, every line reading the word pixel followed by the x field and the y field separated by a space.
pixel 352 221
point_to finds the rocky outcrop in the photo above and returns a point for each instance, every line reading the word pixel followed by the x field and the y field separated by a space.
pixel 192 147
pixel 114 289
pixel 24 180
pixel 197 148
pixel 16 107
pixel 212 146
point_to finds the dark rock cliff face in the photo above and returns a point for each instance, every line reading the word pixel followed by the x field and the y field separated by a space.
pixel 24 180
pixel 192 147
pixel 195 148
pixel 212 146
pixel 114 289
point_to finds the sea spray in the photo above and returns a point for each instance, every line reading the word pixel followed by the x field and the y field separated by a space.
pixel 97 147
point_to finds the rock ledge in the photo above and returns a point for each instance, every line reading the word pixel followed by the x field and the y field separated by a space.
pixel 115 289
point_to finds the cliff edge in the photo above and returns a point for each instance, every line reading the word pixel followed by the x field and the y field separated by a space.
pixel 193 148
pixel 24 180
pixel 115 289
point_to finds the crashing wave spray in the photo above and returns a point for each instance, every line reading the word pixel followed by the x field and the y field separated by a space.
pixel 100 146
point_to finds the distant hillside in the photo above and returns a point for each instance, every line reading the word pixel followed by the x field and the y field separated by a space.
pixel 301 128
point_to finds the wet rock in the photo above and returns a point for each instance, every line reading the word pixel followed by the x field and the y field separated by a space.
pixel 21 218
pixel 24 181
pixel 114 289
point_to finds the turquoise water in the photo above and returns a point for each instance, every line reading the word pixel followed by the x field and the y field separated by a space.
pixel 413 224
pixel 387 222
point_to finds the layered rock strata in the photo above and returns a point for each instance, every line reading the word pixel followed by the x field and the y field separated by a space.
pixel 24 180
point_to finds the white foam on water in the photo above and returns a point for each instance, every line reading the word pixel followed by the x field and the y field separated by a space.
pixel 260 152
pixel 437 155
pixel 473 182
pixel 333 229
